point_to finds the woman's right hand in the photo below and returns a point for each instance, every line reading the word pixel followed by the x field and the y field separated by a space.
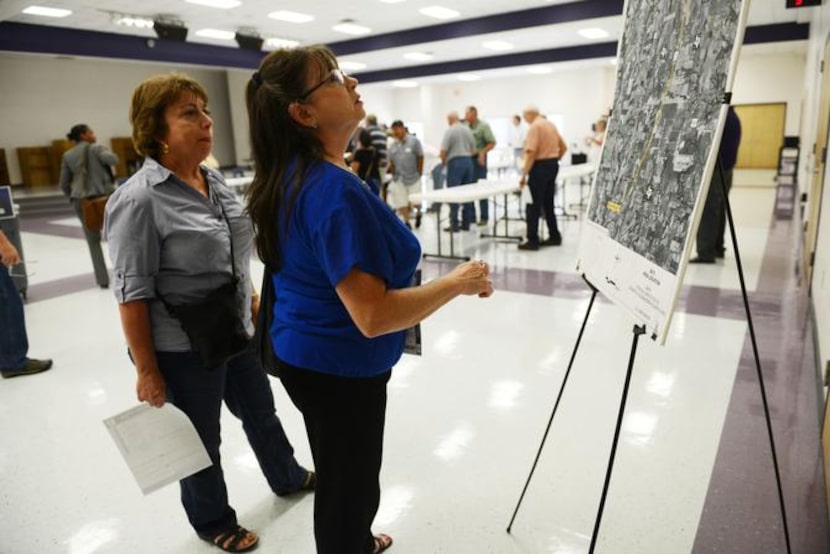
pixel 474 278
pixel 151 388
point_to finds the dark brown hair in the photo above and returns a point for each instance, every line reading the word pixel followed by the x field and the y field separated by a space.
pixel 282 148
pixel 150 99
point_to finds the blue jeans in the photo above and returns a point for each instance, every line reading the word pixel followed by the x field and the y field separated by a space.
pixel 480 172
pixel 460 172
pixel 13 341
pixel 244 387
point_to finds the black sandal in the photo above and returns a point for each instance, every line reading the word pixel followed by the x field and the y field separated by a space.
pixel 229 540
pixel 382 542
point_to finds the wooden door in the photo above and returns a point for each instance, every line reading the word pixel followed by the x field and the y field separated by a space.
pixel 762 134
pixel 35 166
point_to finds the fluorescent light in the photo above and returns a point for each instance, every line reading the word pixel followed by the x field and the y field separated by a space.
pixel 46 12
pixel 216 33
pixel 351 28
pixel 275 42
pixel 291 17
pixel 351 66
pixel 469 77
pixel 497 45
pixel 133 21
pixel 392 1
pixel 439 12
pixel 221 4
pixel 593 33
pixel 418 56
pixel 404 84
pixel 539 69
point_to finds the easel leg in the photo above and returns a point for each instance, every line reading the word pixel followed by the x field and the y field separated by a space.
pixel 556 404
pixel 639 330
pixel 757 357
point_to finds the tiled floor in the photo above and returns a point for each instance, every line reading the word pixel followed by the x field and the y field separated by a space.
pixel 465 420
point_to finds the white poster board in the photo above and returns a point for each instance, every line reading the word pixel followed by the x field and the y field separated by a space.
pixel 676 63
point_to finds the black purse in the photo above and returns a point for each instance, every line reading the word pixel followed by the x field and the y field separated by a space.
pixel 213 324
pixel 263 347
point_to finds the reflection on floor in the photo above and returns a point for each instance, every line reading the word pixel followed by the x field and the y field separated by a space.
pixel 692 474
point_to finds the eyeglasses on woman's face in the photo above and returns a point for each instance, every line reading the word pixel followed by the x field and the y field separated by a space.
pixel 335 76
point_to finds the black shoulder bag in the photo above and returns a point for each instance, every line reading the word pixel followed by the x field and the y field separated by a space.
pixel 263 347
pixel 213 324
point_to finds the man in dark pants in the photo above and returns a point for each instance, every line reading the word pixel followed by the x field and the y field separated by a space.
pixel 14 343
pixel 713 220
pixel 543 148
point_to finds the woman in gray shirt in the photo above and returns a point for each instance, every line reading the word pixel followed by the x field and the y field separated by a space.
pixel 176 235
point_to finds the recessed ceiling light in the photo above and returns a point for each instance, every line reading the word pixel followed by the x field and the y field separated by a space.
pixel 593 33
pixel 539 69
pixel 439 12
pixel 392 1
pixel 349 27
pixel 351 66
pixel 46 12
pixel 497 45
pixel 221 4
pixel 216 33
pixel 404 84
pixel 469 77
pixel 275 42
pixel 418 56
pixel 132 21
pixel 291 17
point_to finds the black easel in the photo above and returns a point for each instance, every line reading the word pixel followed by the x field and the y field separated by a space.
pixel 638 331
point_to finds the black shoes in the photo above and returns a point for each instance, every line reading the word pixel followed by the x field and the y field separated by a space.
pixel 552 241
pixel 527 245
pixel 457 229
pixel 699 260
pixel 483 223
pixel 418 220
pixel 31 366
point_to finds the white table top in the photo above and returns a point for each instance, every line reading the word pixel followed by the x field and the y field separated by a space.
pixel 239 182
pixel 467 193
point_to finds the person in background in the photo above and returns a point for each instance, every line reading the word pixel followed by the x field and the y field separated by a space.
pixel 595 141
pixel 379 142
pixel 366 161
pixel 342 264
pixel 517 138
pixel 176 232
pixel 14 343
pixel 485 141
pixel 712 227
pixel 457 148
pixel 406 163
pixel 543 149
pixel 93 161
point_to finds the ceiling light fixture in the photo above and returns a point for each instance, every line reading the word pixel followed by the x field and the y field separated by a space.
pixel 46 12
pixel 539 69
pixel 439 12
pixel 352 66
pixel 418 56
pixel 469 77
pixel 221 4
pixel 132 21
pixel 216 33
pixel 392 1
pixel 404 84
pixel 291 17
pixel 249 39
pixel 594 33
pixel 275 42
pixel 349 27
pixel 497 45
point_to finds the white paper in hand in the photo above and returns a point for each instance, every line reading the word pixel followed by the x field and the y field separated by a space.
pixel 160 445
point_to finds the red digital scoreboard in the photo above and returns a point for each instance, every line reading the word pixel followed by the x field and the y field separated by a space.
pixel 803 3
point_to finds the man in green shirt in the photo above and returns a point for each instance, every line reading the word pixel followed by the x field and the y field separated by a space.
pixel 485 141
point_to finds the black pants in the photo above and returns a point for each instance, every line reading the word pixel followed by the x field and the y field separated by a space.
pixel 542 184
pixel 344 419
pixel 713 219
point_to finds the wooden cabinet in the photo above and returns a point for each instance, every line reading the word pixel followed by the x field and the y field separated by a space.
pixel 4 169
pixel 56 157
pixel 128 160
pixel 36 166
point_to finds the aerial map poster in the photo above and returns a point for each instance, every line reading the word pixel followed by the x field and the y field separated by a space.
pixel 676 61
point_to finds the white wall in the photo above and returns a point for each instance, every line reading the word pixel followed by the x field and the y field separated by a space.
pixel 42 97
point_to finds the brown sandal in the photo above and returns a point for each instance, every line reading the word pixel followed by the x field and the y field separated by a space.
pixel 382 542
pixel 229 540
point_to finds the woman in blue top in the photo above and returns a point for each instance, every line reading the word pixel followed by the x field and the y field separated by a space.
pixel 341 263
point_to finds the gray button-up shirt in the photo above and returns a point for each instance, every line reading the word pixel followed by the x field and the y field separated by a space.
pixel 167 239
pixel 404 156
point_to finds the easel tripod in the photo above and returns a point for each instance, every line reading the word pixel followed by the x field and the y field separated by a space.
pixel 638 331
